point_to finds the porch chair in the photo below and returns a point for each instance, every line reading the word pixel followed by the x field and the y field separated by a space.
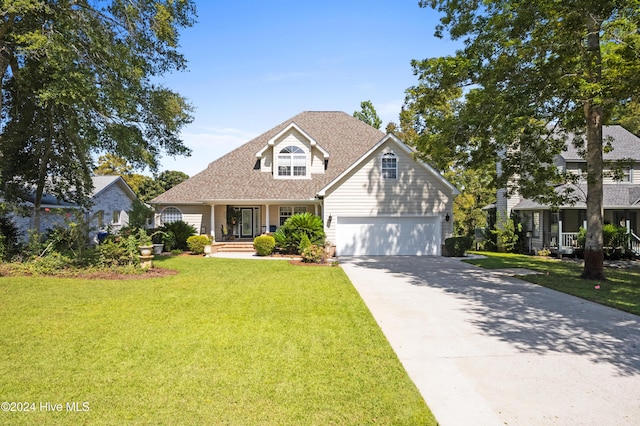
pixel 225 233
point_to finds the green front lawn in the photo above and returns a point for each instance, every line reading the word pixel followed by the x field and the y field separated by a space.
pixel 223 342
pixel 621 290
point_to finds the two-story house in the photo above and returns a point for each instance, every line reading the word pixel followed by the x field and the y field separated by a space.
pixel 557 228
pixel 374 197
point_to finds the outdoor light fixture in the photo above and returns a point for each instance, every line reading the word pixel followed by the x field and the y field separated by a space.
pixel 446 217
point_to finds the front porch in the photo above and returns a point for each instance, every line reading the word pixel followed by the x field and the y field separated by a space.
pixel 241 223
pixel 562 229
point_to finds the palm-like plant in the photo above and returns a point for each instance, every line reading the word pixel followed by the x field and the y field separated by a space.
pixel 289 235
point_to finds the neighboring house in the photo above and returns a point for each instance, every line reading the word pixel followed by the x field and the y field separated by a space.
pixel 111 198
pixel 373 196
pixel 557 229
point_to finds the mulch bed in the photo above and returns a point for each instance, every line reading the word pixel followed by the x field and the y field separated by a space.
pixel 7 271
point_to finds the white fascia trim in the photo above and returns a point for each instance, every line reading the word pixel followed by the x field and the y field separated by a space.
pixel 255 202
pixel 403 146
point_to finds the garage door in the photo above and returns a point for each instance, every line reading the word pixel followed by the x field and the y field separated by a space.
pixel 388 236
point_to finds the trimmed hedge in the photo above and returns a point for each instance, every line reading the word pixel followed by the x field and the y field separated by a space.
pixel 457 246
pixel 264 245
pixel 196 243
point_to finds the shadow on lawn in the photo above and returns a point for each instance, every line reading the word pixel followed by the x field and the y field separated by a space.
pixel 532 318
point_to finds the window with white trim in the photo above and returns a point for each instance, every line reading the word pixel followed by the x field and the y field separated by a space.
pixel 389 166
pixel 292 162
pixel 287 211
pixel 115 217
pixel 170 214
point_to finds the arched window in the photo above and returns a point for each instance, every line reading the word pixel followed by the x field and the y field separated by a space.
pixel 389 166
pixel 292 161
pixel 170 214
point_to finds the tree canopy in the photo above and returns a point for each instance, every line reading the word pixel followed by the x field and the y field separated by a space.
pixel 77 80
pixel 530 74
pixel 368 114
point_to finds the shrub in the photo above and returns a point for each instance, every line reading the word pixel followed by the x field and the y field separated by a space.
pixel 507 235
pixel 49 264
pixel 304 243
pixel 71 239
pixel 113 253
pixel 196 243
pixel 289 235
pixel 3 247
pixel 264 245
pixel 181 231
pixel 169 240
pixel 314 254
pixel 457 246
pixel 9 237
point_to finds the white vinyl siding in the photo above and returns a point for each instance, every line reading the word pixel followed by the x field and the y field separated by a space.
pixel 363 193
pixel 299 162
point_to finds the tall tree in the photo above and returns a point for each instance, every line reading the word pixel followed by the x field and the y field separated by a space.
pixel 530 74
pixel 77 80
pixel 368 114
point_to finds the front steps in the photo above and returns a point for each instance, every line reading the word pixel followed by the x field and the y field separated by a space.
pixel 233 247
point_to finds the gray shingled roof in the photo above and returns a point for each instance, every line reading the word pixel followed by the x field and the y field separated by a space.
pixel 614 196
pixel 233 177
pixel 625 145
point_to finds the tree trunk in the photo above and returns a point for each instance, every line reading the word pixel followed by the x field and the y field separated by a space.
pixel 593 111
pixel 593 255
pixel 42 171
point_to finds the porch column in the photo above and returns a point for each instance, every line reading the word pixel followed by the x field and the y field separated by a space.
pixel 266 206
pixel 212 221
pixel 629 233
pixel 559 237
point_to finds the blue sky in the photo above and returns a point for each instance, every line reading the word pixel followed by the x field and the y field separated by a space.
pixel 254 64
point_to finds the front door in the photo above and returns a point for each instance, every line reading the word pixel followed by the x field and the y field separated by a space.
pixel 246 229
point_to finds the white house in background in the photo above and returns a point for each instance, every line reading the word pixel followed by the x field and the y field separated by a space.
pixel 557 229
pixel 374 197
pixel 112 201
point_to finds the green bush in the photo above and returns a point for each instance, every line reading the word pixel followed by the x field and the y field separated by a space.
pixel 112 253
pixel 9 237
pixel 49 264
pixel 457 246
pixel 196 243
pixel 264 245
pixel 181 231
pixel 304 243
pixel 314 254
pixel 615 241
pixel 289 235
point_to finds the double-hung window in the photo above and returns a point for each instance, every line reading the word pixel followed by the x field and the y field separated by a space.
pixel 292 162
pixel 389 166
pixel 287 211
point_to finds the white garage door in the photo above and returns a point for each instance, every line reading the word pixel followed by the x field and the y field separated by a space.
pixel 390 236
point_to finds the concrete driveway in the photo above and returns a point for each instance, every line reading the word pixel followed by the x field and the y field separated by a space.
pixel 484 348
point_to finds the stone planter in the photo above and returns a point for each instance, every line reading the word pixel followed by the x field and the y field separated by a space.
pixel 208 249
pixel 157 248
pixel 145 250
pixel 146 256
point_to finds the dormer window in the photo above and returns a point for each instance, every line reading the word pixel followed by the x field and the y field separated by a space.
pixel 389 166
pixel 292 162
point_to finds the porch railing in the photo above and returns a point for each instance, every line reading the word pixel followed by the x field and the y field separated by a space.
pixel 634 242
pixel 570 239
